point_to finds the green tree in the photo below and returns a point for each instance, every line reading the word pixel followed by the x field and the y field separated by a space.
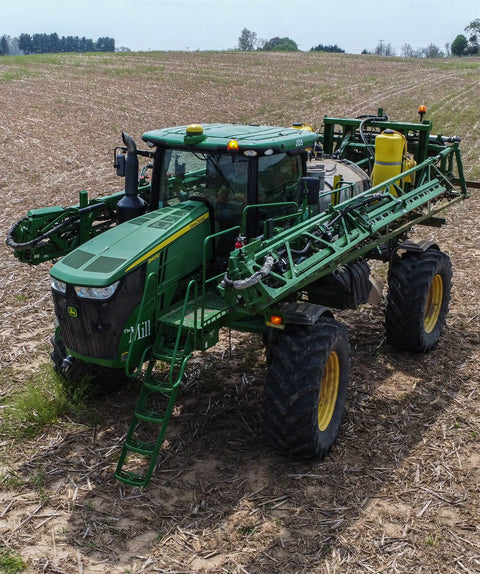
pixel 105 45
pixel 459 45
pixel 473 29
pixel 25 43
pixel 247 40
pixel 38 43
pixel 4 46
pixel 281 44
pixel 53 43
pixel 329 48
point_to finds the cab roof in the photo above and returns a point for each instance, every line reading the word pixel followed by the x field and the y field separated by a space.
pixel 216 137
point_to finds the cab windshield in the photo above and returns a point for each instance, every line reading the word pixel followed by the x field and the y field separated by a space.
pixel 216 177
pixel 223 180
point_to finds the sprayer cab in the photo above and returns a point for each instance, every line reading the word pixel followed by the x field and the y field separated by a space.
pixel 242 173
pixel 207 194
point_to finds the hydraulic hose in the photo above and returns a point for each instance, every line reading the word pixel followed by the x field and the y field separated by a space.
pixel 37 240
pixel 253 279
pixel 365 121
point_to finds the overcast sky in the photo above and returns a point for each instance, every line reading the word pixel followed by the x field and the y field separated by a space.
pixel 216 24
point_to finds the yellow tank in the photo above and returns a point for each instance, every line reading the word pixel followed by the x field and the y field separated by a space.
pixel 389 150
pixel 408 163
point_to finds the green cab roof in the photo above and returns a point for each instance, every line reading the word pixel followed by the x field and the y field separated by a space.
pixel 216 137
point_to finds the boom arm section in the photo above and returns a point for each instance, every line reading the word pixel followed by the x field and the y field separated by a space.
pixel 355 228
pixel 49 233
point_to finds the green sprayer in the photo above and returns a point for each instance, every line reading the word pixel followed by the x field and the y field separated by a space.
pixel 259 229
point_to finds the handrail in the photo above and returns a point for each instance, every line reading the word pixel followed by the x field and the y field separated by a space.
pixel 151 284
pixel 176 347
pixel 263 205
pixel 347 231
pixel 180 327
pixel 206 241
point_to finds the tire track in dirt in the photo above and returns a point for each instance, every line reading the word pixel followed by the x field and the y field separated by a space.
pixel 433 79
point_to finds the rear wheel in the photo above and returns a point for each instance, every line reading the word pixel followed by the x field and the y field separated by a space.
pixel 418 297
pixel 306 388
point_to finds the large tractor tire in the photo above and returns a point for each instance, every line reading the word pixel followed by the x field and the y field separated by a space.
pixel 419 290
pixel 306 386
pixel 82 377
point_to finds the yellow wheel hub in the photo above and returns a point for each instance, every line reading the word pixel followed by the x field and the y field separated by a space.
pixel 328 391
pixel 433 304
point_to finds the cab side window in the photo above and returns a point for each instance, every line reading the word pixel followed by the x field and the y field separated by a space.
pixel 279 177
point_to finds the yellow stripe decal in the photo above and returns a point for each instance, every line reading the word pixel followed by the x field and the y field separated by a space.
pixel 169 240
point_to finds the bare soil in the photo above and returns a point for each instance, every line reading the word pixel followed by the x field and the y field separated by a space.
pixel 399 491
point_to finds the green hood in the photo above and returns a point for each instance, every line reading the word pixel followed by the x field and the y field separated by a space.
pixel 109 256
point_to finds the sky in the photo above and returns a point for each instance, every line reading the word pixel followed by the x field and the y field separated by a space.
pixel 353 25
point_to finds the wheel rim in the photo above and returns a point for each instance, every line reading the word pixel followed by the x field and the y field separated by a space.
pixel 433 304
pixel 328 391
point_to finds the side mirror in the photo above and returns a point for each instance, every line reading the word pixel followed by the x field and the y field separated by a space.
pixel 309 188
pixel 120 164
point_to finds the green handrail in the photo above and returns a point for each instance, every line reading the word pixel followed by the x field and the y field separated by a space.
pixel 150 292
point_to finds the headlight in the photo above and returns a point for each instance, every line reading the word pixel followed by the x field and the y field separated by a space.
pixel 100 293
pixel 59 286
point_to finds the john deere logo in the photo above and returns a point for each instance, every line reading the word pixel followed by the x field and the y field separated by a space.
pixel 72 312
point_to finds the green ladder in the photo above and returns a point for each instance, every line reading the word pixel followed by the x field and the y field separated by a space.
pixel 178 333
pixel 150 418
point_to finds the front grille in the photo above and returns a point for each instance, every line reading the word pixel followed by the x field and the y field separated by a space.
pixel 93 328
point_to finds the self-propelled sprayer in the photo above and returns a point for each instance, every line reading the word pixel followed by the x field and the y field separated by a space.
pixel 259 229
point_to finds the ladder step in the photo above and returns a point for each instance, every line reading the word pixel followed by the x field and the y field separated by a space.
pixel 213 307
pixel 131 478
pixel 144 411
pixel 142 447
pixel 159 387
pixel 166 355
pixel 150 416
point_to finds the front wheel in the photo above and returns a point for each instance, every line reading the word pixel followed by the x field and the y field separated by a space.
pixel 306 388
pixel 84 377
pixel 418 299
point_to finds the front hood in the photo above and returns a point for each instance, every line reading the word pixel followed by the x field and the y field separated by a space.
pixel 107 257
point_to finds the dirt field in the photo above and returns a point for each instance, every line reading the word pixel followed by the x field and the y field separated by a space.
pixel 400 491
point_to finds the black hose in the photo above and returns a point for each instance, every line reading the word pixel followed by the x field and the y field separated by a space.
pixel 36 240
pixel 353 207
pixel 297 252
pixel 367 120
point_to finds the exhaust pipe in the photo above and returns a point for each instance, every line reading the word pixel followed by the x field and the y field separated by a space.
pixel 131 205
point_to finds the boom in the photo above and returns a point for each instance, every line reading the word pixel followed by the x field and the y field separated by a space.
pixel 355 228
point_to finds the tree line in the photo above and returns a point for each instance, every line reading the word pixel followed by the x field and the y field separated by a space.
pixel 462 45
pixel 53 43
